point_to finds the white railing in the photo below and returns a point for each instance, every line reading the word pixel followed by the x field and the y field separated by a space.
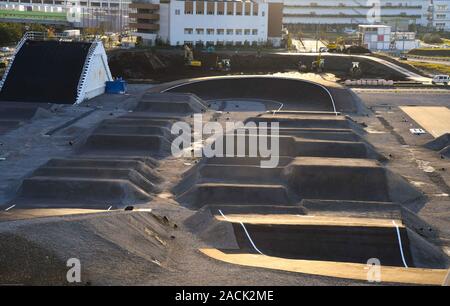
pixel 86 66
pixel 33 36
pixel 8 68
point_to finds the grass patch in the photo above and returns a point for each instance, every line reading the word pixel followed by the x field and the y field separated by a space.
pixel 437 52
pixel 431 67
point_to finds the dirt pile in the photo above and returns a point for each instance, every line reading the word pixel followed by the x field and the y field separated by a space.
pixel 135 63
pixel 168 65
pixel 357 50
pixel 441 145
pixel 431 52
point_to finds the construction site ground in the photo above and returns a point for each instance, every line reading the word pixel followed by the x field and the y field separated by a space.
pixel 168 65
pixel 185 230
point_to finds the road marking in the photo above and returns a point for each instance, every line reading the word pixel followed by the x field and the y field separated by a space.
pixel 10 207
pixel 246 232
pixel 109 208
pixel 400 243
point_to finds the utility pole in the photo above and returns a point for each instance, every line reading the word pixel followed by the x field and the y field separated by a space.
pixel 317 37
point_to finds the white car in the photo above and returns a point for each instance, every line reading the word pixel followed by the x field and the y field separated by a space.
pixel 441 78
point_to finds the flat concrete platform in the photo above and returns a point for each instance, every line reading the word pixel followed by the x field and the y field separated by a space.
pixel 434 119
pixel 329 268
pixel 307 220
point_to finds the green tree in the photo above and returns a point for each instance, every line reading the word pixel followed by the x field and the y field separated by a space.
pixel 10 33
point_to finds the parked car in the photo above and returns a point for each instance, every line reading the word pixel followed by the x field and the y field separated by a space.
pixel 403 57
pixel 441 78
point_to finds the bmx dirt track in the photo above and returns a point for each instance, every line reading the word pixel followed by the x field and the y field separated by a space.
pixel 331 199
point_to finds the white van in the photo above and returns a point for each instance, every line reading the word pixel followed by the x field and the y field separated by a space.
pixel 441 78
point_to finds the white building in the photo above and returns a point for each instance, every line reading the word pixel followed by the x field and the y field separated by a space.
pixel 404 41
pixel 234 22
pixel 441 14
pixel 110 15
pixel 375 37
pixel 345 13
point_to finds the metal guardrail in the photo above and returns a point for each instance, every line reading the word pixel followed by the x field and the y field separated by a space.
pixel 430 58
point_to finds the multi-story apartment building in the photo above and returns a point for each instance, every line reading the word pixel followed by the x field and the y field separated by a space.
pixel 110 15
pixel 215 22
pixel 440 10
pixel 350 13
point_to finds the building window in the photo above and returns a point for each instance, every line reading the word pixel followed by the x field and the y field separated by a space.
pixel 238 43
pixel 230 8
pixel 200 7
pixel 239 6
pixel 440 16
pixel 263 13
pixel 210 7
pixel 220 8
pixel 247 6
pixel 230 31
pixel 255 9
pixel 247 32
pixel 254 32
pixel 200 31
pixel 220 31
pixel 188 7
pixel 188 30
pixel 238 32
pixel 177 12
pixel 210 31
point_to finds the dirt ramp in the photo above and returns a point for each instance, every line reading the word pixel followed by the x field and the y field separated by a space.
pixel 108 246
pixel 307 95
pixel 346 179
pixel 174 103
pixel 440 144
pixel 89 183
pixel 326 243
pixel 231 193
pixel 13 115
pixel 129 136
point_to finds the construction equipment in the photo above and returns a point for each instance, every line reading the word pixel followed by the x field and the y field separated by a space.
pixel 355 70
pixel 189 58
pixel 318 65
pixel 301 67
pixel 223 64
pixel 337 46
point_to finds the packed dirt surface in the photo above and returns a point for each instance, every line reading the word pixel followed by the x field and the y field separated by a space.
pixel 168 65
pixel 347 188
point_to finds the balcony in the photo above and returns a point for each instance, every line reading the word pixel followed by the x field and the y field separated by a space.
pixel 143 5
pixel 144 26
pixel 144 16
